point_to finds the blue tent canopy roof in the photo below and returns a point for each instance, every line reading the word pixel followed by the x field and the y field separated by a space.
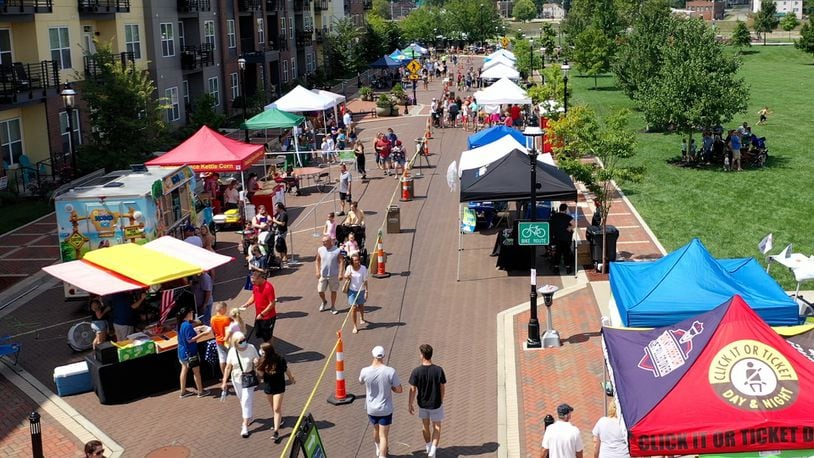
pixel 491 134
pixel 689 281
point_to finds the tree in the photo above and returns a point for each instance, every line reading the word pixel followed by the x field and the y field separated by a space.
pixel 381 37
pixel 765 20
pixel 548 38
pixel 470 20
pixel 380 8
pixel 806 41
pixel 580 135
pixel 740 36
pixel 696 84
pixel 127 119
pixel 421 25
pixel 527 59
pixel 789 22
pixel 524 10
pixel 345 48
pixel 639 55
pixel 592 52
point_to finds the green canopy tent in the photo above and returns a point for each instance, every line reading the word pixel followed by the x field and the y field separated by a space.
pixel 275 119
pixel 410 52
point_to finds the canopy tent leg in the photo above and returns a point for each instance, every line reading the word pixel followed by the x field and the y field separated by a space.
pixel 296 149
pixel 576 231
pixel 460 240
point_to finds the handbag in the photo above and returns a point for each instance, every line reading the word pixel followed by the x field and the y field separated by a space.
pixel 194 361
pixel 346 286
pixel 247 379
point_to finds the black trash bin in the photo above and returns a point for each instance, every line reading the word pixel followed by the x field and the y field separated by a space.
pixel 594 236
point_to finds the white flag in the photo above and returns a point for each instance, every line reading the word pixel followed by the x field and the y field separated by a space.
pixel 786 253
pixel 766 244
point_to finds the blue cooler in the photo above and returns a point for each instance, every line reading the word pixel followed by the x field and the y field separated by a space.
pixel 73 379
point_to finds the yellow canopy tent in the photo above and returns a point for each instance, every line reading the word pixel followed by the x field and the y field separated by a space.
pixel 141 264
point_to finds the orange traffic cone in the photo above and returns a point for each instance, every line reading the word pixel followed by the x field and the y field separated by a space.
pixel 341 396
pixel 428 129
pixel 381 270
pixel 427 145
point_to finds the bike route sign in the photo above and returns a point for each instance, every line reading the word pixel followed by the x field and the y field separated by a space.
pixel 533 233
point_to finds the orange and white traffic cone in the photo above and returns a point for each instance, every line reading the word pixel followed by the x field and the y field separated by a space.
pixel 428 129
pixel 341 396
pixel 381 269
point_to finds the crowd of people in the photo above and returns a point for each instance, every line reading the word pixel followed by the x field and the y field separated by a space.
pixel 732 149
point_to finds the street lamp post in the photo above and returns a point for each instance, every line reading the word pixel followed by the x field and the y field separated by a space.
pixel 69 100
pixel 565 68
pixel 241 65
pixel 542 51
pixel 533 340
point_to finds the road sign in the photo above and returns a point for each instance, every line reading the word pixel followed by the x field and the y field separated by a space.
pixel 414 66
pixel 533 233
pixel 505 42
pixel 414 76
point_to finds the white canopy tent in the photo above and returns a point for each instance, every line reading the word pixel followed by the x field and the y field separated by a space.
pixel 486 154
pixel 501 53
pixel 500 71
pixel 502 91
pixel 498 61
pixel 337 98
pixel 301 99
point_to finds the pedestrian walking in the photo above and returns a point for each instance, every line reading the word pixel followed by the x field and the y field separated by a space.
pixel 380 381
pixel 356 274
pixel 359 152
pixel 345 187
pixel 610 437
pixel 264 300
pixel 188 354
pixel 242 359
pixel 272 368
pixel 220 323
pixel 329 265
pixel 562 439
pixel 427 388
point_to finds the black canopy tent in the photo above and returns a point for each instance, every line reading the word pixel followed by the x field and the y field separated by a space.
pixel 508 179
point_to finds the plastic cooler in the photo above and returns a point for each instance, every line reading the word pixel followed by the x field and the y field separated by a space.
pixel 73 379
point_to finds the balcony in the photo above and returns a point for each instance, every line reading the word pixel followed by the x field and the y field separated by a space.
pixel 249 6
pixel 367 5
pixel 300 5
pixel 96 63
pixel 320 6
pixel 304 38
pixel 23 7
pixel 272 5
pixel 21 83
pixel 104 6
pixel 319 36
pixel 193 6
pixel 197 57
pixel 281 44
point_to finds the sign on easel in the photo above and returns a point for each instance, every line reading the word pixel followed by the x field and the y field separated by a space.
pixel 307 440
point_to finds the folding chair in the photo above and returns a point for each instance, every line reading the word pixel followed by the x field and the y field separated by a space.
pixel 322 181
pixel 10 349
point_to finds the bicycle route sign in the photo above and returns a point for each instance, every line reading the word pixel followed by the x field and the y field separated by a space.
pixel 533 233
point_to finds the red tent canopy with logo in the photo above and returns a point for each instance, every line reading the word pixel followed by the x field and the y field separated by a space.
pixel 209 151
pixel 720 382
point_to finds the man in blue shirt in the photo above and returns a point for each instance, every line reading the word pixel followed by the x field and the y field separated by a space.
pixel 124 312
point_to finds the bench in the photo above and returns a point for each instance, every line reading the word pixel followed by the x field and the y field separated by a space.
pixel 357 115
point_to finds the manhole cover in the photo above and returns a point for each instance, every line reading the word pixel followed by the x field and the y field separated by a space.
pixel 170 451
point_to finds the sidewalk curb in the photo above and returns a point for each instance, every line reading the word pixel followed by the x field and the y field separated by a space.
pixel 63 413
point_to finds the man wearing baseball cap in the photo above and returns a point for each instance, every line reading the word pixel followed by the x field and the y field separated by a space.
pixel 380 381
pixel 562 439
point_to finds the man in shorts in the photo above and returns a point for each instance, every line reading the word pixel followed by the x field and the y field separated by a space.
pixel 345 181
pixel 380 381
pixel 264 300
pixel 329 264
pixel 427 386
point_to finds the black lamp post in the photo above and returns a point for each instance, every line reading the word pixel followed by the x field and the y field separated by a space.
pixel 565 68
pixel 241 65
pixel 69 100
pixel 533 340
pixel 542 53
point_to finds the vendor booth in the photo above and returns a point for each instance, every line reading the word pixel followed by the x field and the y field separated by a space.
pixel 385 62
pixel 690 281
pixel 486 136
pixel 500 70
pixel 502 91
pixel 503 53
pixel 719 382
pixel 491 152
pixel 276 119
pixel 500 60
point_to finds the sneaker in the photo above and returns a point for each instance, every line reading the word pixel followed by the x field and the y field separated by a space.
pixel 377 449
pixel 340 214
pixel 244 431
pixel 186 393
pixel 276 437
pixel 334 311
pixel 322 306
pixel 203 393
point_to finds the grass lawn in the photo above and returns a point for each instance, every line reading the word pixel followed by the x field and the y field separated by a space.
pixel 731 212
pixel 22 212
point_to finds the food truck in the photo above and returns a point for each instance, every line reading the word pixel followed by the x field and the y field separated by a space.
pixel 136 205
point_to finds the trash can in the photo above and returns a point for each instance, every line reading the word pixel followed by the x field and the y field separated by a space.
pixel 406 189
pixel 393 220
pixel 594 236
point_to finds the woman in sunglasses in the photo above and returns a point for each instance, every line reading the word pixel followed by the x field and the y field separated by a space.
pixel 242 357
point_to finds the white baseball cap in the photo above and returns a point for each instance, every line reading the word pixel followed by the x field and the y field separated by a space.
pixel 378 352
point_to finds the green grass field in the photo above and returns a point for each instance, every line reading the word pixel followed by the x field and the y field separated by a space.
pixel 731 212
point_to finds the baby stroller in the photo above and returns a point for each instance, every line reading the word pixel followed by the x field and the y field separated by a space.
pixel 758 152
pixel 436 119
pixel 398 158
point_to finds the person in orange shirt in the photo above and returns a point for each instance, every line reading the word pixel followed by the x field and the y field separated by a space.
pixel 219 323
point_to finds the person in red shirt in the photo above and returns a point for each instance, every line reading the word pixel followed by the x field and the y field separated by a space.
pixel 265 303
pixel 383 148
pixel 515 113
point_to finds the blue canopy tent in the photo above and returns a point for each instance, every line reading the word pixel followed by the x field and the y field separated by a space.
pixel 398 56
pixel 688 282
pixel 491 134
pixel 385 62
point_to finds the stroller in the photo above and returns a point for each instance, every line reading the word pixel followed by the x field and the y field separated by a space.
pixel 758 152
pixel 266 240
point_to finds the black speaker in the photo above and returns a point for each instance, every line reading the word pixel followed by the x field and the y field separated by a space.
pixel 106 353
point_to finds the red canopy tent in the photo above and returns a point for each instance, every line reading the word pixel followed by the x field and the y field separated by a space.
pixel 209 151
pixel 719 382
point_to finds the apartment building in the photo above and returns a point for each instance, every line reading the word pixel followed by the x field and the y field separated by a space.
pixel 783 7
pixel 707 10
pixel 45 44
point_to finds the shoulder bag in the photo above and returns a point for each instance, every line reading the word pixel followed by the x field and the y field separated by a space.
pixel 247 379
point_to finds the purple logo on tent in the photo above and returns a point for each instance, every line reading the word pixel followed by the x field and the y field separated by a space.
pixel 670 350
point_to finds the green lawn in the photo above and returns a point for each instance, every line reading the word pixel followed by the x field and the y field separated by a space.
pixel 731 212
pixel 23 212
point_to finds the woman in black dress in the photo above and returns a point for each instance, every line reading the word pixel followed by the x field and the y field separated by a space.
pixel 273 368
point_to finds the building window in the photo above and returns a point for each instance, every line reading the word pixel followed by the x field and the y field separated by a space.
pixel 285 71
pixel 234 84
pixel 308 63
pixel 209 33
pixel 173 106
pixel 60 46
pixel 182 40
pixel 63 129
pixel 185 89
pixel 11 140
pixel 167 39
pixel 214 90
pixel 261 31
pixel 282 25
pixel 230 33
pixel 5 47
pixel 293 68
pixel 132 40
pixel 291 27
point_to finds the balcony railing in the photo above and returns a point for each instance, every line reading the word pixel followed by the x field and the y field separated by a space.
pixel 281 44
pixel 26 6
pixel 320 5
pixel 95 64
pixel 249 6
pixel 305 38
pixel 194 6
pixel 104 6
pixel 197 57
pixel 21 82
pixel 319 36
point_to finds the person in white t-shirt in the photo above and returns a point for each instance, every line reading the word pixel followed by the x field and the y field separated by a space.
pixel 562 439
pixel 610 437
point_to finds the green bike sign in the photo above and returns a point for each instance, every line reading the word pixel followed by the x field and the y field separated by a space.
pixel 533 233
